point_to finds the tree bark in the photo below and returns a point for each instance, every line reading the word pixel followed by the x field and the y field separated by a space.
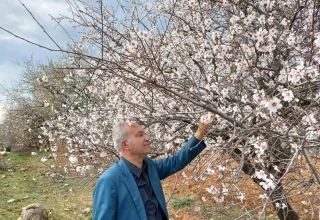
pixel 286 213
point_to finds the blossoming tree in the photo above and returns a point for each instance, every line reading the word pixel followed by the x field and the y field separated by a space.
pixel 254 64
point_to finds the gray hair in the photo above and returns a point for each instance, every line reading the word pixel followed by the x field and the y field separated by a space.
pixel 119 134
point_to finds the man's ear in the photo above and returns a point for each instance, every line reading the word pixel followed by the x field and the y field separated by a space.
pixel 124 145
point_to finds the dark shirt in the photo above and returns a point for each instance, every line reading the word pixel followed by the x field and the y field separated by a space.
pixel 149 199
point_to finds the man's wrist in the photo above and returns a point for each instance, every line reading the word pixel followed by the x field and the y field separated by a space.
pixel 198 135
pixel 201 131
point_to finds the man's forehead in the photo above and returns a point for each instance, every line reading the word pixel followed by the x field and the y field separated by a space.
pixel 133 128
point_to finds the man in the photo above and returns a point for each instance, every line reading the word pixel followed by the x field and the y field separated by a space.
pixel 131 188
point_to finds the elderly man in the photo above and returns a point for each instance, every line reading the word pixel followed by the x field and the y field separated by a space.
pixel 131 188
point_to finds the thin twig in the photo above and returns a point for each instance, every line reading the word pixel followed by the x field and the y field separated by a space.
pixel 40 25
pixel 101 30
pixel 306 155
pixel 29 41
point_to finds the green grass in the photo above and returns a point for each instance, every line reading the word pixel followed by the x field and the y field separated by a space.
pixel 18 159
pixel 180 203
pixel 32 185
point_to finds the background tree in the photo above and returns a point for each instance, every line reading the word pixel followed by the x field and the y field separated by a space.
pixel 29 105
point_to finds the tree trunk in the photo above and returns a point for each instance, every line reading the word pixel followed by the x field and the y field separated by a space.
pixel 286 213
pixel 277 196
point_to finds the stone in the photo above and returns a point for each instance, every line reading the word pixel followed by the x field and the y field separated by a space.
pixel 86 210
pixel 11 200
pixel 34 211
pixel 3 153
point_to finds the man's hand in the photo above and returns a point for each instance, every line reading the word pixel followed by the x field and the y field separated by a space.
pixel 203 126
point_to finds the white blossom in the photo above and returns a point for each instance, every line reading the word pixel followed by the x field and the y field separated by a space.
pixel 210 171
pixel 317 41
pixel 287 95
pixel 260 174
pixel 263 196
pixel 241 197
pixel 291 40
pixel 221 167
pixel 45 79
pixel 207 119
pixel 273 105
pixel 244 99
pixel 73 159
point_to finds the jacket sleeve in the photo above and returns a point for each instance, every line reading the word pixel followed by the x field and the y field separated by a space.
pixel 104 200
pixel 170 165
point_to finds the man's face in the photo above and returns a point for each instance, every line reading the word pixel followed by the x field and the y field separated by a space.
pixel 138 140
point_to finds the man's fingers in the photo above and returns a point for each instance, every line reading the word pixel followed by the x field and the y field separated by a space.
pixel 207 118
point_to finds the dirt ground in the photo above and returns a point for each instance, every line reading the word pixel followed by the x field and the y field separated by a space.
pixel 304 199
pixel 26 183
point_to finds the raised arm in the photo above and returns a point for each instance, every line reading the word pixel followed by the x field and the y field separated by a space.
pixel 193 147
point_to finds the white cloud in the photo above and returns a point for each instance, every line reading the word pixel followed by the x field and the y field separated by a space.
pixel 6 37
pixel 39 8
pixel 16 19
pixel 44 8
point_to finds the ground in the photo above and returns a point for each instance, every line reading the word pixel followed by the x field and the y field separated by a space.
pixel 26 182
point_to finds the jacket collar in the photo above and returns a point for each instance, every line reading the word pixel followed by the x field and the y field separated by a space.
pixel 133 168
pixel 133 189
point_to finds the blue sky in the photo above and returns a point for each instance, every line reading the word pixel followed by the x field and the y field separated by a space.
pixel 16 19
